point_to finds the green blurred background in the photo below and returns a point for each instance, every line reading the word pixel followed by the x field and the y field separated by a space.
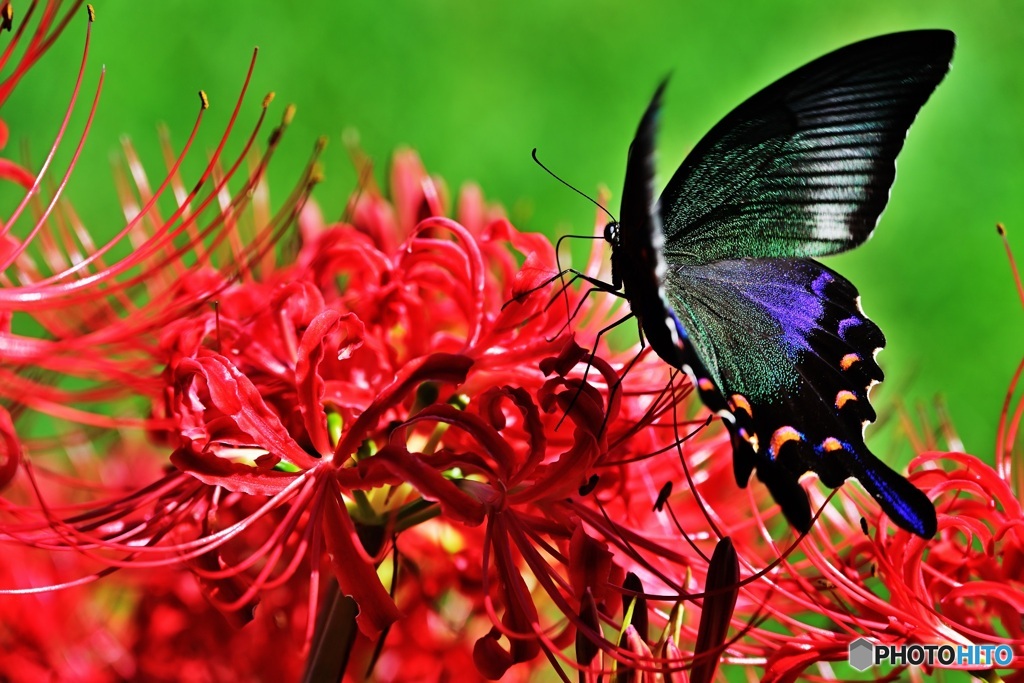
pixel 473 86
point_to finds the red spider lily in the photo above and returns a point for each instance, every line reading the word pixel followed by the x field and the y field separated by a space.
pixel 391 408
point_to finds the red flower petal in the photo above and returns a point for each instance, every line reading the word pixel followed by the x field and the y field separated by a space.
pixel 438 367
pixel 309 384
pixel 10 449
pixel 431 484
pixel 214 379
pixel 356 574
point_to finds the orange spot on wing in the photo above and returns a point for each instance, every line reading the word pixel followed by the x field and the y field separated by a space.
pixel 740 402
pixel 844 397
pixel 848 360
pixel 832 444
pixel 704 384
pixel 782 436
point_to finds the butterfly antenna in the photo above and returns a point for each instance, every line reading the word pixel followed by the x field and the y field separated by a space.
pixel 571 187
pixel 558 243
pixel 598 286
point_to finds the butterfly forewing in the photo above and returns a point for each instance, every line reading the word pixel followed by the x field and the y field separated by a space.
pixel 638 240
pixel 775 341
pixel 804 167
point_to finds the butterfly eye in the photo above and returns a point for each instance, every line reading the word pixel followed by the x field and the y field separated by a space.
pixel 611 234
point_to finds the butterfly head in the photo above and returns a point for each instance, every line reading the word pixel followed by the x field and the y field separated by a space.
pixel 613 236
pixel 611 233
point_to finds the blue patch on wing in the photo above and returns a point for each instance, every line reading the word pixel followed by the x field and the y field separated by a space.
pixel 750 319
pixel 797 311
pixel 846 324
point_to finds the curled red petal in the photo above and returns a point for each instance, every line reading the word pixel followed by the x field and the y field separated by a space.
pixel 309 384
pixel 565 475
pixel 238 400
pixel 438 367
pixel 491 659
pixel 10 458
pixel 568 357
pixel 356 574
pixel 534 428
pixel 487 439
pixel 234 476
pixel 432 485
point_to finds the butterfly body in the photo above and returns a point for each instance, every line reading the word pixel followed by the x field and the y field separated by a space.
pixel 720 270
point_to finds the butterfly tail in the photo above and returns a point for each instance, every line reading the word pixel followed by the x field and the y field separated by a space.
pixel 904 503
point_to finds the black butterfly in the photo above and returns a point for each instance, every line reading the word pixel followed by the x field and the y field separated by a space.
pixel 719 271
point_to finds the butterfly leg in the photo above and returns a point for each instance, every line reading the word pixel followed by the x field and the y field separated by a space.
pixel 596 285
pixel 554 297
pixel 590 363
pixel 599 285
pixel 579 306
pixel 614 388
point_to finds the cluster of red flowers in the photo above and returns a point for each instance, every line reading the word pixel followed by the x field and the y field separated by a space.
pixel 278 447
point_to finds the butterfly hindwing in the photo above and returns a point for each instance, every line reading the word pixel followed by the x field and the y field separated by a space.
pixel 720 277
pixel 784 345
